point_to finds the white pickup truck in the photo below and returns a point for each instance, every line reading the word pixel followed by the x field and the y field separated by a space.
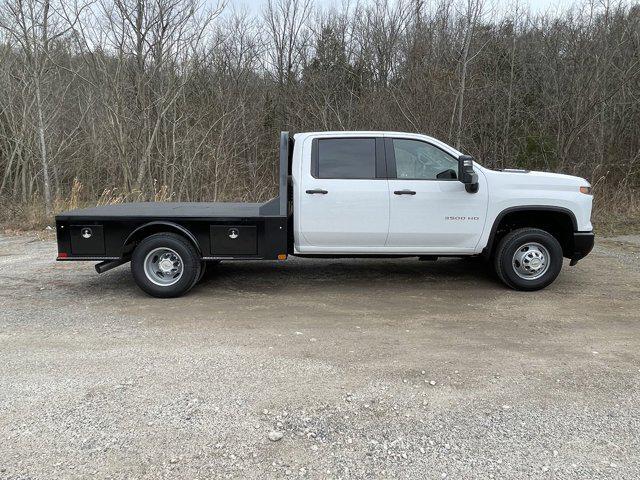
pixel 350 194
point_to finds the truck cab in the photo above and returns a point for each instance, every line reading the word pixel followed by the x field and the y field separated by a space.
pixel 399 193
pixel 348 194
pixel 382 193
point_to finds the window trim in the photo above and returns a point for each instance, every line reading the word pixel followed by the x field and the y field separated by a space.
pixel 390 155
pixel 380 160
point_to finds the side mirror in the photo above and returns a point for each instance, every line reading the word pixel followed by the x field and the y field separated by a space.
pixel 466 174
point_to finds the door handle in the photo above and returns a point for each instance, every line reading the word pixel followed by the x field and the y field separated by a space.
pixel 404 192
pixel 317 190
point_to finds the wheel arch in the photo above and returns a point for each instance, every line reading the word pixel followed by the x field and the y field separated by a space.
pixel 158 226
pixel 558 221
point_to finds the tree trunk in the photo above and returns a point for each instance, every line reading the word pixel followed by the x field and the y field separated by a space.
pixel 48 205
pixel 473 10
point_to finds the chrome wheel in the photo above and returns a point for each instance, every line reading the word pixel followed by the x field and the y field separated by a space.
pixel 531 261
pixel 163 266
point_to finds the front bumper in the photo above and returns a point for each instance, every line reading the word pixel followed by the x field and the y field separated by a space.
pixel 582 245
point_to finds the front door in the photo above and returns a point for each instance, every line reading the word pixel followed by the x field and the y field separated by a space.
pixel 343 196
pixel 430 210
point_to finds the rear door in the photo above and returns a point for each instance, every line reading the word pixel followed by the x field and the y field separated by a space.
pixel 430 210
pixel 343 198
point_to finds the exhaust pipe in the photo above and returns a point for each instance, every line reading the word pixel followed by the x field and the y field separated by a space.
pixel 109 264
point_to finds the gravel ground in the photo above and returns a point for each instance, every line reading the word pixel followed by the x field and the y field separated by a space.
pixel 319 369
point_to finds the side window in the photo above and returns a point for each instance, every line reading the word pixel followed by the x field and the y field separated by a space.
pixel 418 160
pixel 346 158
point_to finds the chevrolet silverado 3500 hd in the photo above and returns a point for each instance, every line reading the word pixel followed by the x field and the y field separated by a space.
pixel 350 194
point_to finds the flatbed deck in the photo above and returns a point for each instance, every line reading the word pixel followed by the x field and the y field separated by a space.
pixel 154 210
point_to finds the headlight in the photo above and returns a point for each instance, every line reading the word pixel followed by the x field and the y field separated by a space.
pixel 585 190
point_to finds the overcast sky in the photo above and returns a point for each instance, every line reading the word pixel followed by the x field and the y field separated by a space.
pixel 536 6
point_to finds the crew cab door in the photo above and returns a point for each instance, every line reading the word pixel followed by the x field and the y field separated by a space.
pixel 342 196
pixel 430 210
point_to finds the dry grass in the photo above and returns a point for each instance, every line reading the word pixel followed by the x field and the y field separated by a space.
pixel 31 216
pixel 616 208
pixel 111 196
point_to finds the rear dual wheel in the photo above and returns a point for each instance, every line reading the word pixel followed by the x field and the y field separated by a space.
pixel 166 265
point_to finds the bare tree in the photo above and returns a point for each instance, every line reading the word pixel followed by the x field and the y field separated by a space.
pixel 157 99
pixel 470 17
pixel 285 23
pixel 35 25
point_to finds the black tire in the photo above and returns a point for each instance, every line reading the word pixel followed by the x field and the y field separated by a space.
pixel 516 240
pixel 190 262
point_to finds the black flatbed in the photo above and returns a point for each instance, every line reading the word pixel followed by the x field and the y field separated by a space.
pixel 218 230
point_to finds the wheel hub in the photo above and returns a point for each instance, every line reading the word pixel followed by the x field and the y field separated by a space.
pixel 535 263
pixel 531 261
pixel 166 265
pixel 163 266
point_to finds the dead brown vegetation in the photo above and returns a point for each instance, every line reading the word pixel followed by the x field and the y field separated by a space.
pixel 123 100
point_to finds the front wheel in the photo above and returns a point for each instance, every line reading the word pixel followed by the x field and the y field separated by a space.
pixel 165 265
pixel 528 259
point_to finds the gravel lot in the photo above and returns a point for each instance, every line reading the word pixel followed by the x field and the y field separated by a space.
pixel 367 368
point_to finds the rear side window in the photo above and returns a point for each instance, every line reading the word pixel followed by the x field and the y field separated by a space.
pixel 346 158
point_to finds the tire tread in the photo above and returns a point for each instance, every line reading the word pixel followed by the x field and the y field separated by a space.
pixel 506 243
pixel 194 258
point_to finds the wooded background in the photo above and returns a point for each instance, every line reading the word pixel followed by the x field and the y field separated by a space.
pixel 114 100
